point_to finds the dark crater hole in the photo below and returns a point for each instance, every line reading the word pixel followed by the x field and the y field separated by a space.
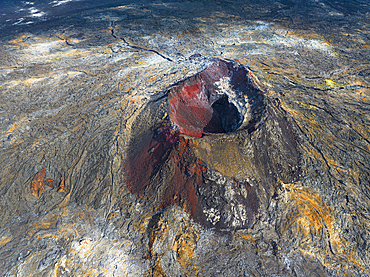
pixel 225 118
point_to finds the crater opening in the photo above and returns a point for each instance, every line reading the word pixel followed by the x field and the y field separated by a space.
pixel 223 98
pixel 225 118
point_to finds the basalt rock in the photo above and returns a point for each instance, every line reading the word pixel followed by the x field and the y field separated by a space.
pixel 124 154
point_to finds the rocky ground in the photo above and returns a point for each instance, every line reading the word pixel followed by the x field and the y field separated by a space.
pixel 104 174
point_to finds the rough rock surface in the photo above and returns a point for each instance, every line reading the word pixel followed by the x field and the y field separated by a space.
pixel 207 138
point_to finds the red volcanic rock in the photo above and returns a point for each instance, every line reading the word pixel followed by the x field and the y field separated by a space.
pixel 167 147
pixel 188 174
pixel 144 164
pixel 190 108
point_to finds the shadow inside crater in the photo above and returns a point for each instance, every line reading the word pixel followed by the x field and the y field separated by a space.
pixel 225 117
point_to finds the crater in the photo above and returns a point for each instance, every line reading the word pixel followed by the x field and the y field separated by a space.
pixel 223 98
pixel 221 152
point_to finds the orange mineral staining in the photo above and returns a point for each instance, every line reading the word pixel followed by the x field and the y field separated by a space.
pixel 49 183
pixel 37 184
pixel 62 184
